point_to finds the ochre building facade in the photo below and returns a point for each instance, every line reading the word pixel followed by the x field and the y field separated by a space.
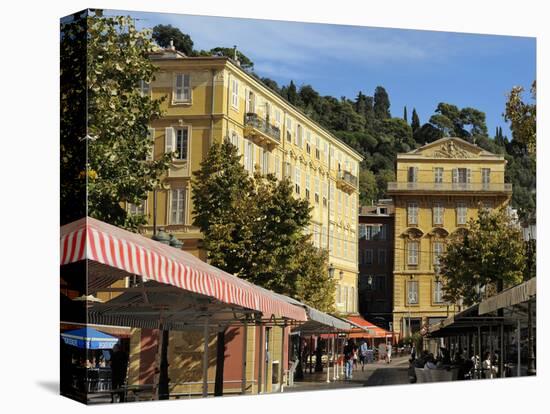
pixel 438 188
pixel 209 99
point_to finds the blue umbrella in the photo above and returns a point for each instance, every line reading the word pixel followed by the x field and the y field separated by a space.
pixel 89 338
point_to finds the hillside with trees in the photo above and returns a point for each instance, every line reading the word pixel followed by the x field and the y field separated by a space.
pixel 367 125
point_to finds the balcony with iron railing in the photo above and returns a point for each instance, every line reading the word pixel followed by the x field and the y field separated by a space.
pixel 425 187
pixel 261 131
pixel 347 181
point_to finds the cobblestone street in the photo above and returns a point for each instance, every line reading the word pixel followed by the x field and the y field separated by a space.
pixel 377 373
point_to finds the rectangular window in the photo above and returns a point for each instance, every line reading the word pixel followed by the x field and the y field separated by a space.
pixel 339 199
pixel 298 136
pixel 235 141
pixel 326 152
pixel 461 213
pixel 235 93
pixel 277 118
pixel 308 141
pixel 438 175
pixel 144 88
pixel 182 141
pixel 307 186
pixel 380 283
pixel 368 256
pixel 289 130
pixel 265 162
pixel 438 251
pixel 317 148
pixel 461 175
pixel 485 176
pixel 362 231
pixel 325 194
pixel 331 197
pixel 412 213
pixel 412 175
pixel 438 291
pixel 137 210
pixel 250 103
pixel 249 156
pixel 316 189
pixel 323 237
pixel 412 252
pixel 383 232
pixel 182 92
pixel 297 180
pixel 345 243
pixel 277 162
pixel 438 214
pixel 177 213
pixel 412 292
pixel 382 256
pixel 288 170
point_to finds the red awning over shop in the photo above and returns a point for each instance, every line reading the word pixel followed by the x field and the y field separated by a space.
pixel 373 331
pixel 100 242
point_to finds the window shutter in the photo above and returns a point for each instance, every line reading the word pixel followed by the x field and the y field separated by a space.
pixel 468 175
pixel 247 100
pixel 455 175
pixel 179 87
pixel 186 87
pixel 170 141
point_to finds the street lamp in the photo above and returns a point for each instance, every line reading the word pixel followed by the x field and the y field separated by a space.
pixel 331 270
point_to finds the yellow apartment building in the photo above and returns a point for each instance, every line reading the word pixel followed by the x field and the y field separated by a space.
pixel 209 99
pixel 439 187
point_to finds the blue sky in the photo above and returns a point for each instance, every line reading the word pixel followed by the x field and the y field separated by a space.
pixel 418 68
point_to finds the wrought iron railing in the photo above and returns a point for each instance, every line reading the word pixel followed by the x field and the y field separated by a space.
pixel 262 125
pixel 430 186
pixel 349 178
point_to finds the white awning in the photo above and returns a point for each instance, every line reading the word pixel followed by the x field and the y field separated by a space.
pixel 510 297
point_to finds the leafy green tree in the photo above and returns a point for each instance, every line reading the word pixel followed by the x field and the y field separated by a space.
pixel 221 188
pixel 254 228
pixel 314 286
pixel 229 52
pixel 487 257
pixel 415 121
pixel 368 189
pixel 381 103
pixel 443 124
pixel 523 117
pixel 118 141
pixel 164 34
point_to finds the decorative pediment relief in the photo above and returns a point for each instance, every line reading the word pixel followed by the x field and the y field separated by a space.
pixel 455 148
pixel 439 232
pixel 412 233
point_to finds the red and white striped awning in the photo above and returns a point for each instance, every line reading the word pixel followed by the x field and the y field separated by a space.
pixel 97 241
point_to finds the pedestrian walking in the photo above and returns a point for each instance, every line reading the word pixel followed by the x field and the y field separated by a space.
pixel 388 352
pixel 348 359
pixel 363 349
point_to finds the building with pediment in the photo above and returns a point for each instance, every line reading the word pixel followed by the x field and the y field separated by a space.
pixel 438 188
pixel 209 99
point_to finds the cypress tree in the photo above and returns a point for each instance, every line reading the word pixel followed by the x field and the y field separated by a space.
pixel 415 122
pixel 405 117
pixel 381 103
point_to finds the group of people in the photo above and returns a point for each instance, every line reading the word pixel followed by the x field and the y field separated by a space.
pixel 354 355
pixel 488 366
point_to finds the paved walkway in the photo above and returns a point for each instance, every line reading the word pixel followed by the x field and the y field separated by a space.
pixel 377 373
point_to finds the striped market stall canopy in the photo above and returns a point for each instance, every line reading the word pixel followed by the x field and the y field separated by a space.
pixel 96 241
